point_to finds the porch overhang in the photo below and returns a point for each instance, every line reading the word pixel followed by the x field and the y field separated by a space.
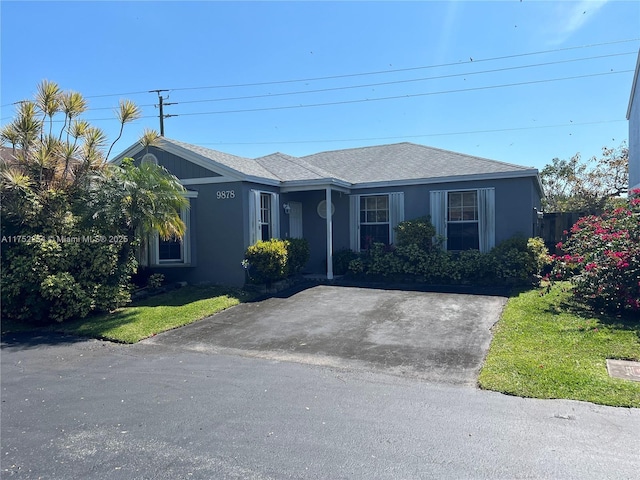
pixel 315 184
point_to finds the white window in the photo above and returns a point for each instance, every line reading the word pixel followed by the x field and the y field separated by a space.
pixel 266 226
pixel 264 216
pixel 462 221
pixel 173 251
pixel 465 218
pixel 373 218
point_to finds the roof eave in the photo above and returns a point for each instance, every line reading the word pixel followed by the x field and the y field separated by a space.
pixel 449 179
pixel 315 184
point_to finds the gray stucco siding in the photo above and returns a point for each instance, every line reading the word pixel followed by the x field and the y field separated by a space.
pixel 514 203
pixel 515 200
pixel 217 236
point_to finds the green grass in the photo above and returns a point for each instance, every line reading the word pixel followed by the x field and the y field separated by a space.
pixel 549 346
pixel 148 317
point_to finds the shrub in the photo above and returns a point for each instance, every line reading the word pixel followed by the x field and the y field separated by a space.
pixel 66 297
pixel 297 254
pixel 603 256
pixel 516 260
pixel 418 232
pixel 50 280
pixel 155 280
pixel 474 267
pixel 342 259
pixel 267 261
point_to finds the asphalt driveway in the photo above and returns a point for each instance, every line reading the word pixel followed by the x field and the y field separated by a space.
pixel 439 337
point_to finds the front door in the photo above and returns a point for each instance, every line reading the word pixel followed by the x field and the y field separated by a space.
pixel 295 219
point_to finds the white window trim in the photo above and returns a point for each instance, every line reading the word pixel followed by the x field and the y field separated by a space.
pixel 396 215
pixel 486 215
pixel 255 220
pixel 185 245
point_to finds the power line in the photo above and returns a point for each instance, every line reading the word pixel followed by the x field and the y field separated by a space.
pixel 378 72
pixel 396 82
pixel 395 97
pixel 399 137
pixel 393 82
pixel 413 95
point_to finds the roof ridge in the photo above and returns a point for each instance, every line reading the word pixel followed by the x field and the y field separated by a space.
pixel 300 162
pixel 356 148
pixel 427 147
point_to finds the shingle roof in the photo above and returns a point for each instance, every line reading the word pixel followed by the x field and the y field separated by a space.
pixel 246 166
pixel 289 168
pixel 383 163
pixel 405 161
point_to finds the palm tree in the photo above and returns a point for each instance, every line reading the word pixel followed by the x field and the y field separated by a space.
pixel 73 104
pixel 127 112
pixel 48 101
pixel 62 185
pixel 150 201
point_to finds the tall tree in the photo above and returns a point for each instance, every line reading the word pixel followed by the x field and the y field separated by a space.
pixel 581 186
pixel 58 185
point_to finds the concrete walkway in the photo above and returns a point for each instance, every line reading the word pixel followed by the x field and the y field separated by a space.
pixel 439 337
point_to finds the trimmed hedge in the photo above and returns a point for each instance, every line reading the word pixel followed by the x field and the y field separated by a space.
pixel 516 261
pixel 273 260
pixel 419 257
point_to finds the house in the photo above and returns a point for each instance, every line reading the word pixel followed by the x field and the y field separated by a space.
pixel 633 115
pixel 341 199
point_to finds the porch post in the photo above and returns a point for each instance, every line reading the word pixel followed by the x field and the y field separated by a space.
pixel 329 234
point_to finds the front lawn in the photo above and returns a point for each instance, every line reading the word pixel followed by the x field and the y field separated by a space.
pixel 549 346
pixel 150 316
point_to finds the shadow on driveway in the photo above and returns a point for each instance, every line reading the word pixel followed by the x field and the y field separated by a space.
pixel 27 340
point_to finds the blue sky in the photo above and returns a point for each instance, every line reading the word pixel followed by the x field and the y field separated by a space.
pixel 493 79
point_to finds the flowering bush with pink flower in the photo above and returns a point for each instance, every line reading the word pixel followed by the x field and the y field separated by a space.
pixel 602 258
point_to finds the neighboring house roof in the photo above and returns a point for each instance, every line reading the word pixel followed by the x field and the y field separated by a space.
pixel 400 164
pixel 634 85
pixel 6 155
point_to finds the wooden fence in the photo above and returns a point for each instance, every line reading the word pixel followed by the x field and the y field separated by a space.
pixel 553 226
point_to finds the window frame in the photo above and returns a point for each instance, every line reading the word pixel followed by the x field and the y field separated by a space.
pixel 185 245
pixel 375 211
pixel 486 201
pixel 265 219
pixel 460 221
pixel 256 219
pixel 186 242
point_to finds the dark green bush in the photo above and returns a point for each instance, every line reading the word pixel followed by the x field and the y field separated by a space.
pixel 267 261
pixel 46 281
pixel 342 259
pixel 418 232
pixel 516 260
pixel 66 297
pixel 297 254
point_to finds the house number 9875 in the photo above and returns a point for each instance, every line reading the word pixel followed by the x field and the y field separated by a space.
pixel 225 194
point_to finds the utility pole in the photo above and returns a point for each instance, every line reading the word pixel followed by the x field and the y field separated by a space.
pixel 160 105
